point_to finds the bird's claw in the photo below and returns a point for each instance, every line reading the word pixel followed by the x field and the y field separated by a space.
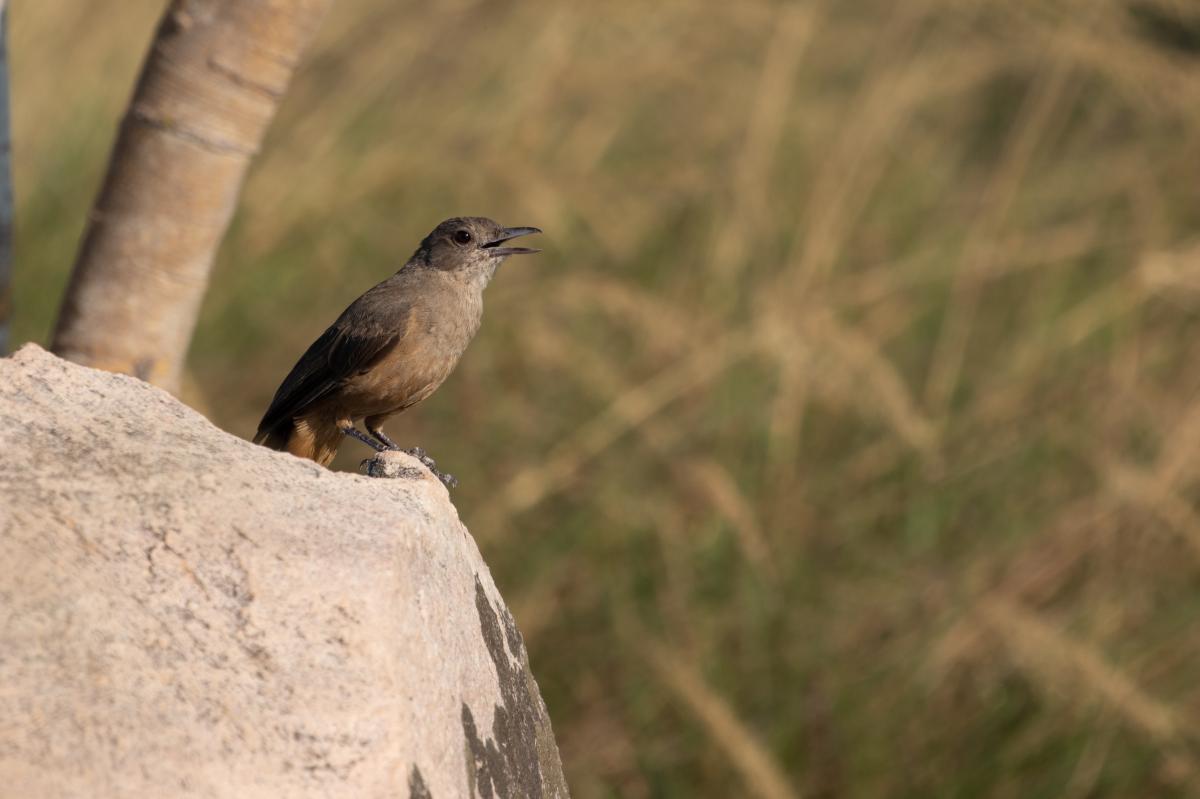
pixel 448 480
pixel 421 455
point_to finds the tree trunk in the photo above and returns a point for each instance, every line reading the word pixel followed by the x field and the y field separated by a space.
pixel 214 76
pixel 6 198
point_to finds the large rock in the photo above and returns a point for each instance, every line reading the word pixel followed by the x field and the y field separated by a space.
pixel 183 613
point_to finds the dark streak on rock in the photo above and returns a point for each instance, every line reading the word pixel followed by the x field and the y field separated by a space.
pixel 417 789
pixel 488 772
pixel 515 761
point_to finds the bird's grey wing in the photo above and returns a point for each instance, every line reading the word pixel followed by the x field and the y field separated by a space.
pixel 338 354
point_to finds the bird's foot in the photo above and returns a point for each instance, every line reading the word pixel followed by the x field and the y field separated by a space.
pixel 449 480
pixel 395 468
pixel 420 455
pixel 381 466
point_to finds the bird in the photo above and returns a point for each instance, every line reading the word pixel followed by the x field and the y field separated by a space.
pixel 392 347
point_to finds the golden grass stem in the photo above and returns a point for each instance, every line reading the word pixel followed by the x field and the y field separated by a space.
pixel 762 775
pixel 1076 672
pixel 630 409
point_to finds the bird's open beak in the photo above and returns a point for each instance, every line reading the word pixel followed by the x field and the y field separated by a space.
pixel 508 234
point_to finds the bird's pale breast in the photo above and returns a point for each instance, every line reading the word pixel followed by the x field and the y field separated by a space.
pixel 434 336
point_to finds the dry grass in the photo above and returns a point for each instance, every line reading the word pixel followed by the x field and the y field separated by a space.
pixel 763 777
pixel 861 364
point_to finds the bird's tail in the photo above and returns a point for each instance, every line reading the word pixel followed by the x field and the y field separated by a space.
pixel 276 436
pixel 302 438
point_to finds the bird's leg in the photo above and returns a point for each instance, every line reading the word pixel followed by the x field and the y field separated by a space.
pixel 354 432
pixel 379 434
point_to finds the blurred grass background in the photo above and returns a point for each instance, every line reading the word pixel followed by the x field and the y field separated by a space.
pixel 844 441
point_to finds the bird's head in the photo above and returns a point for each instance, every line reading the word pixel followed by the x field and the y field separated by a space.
pixel 472 246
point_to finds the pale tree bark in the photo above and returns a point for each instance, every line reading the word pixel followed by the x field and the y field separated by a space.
pixel 6 197
pixel 216 72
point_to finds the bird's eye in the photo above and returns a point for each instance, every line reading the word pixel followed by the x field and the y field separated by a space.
pixel 462 237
